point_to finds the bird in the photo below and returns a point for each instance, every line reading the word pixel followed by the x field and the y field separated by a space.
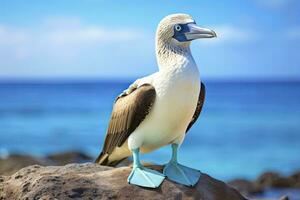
pixel 159 109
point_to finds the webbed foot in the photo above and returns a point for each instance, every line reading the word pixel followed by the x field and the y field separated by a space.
pixel 145 177
pixel 181 174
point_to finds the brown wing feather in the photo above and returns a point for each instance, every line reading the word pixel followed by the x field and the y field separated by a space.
pixel 128 112
pixel 198 108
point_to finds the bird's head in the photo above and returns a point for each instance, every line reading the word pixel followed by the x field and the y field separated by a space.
pixel 180 30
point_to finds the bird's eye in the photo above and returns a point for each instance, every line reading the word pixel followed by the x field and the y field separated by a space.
pixel 177 27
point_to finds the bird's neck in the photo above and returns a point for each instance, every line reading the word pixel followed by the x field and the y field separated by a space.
pixel 170 56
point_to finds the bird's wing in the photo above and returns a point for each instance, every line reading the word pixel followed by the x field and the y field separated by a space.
pixel 128 112
pixel 200 103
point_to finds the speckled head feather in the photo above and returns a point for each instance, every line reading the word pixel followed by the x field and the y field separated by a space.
pixel 173 37
pixel 169 49
pixel 165 29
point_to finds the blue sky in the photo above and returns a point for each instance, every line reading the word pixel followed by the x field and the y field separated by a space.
pixel 106 39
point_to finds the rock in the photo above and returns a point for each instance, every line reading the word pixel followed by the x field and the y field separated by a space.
pixel 273 179
pixel 265 182
pixel 284 198
pixel 245 187
pixel 295 179
pixel 69 157
pixel 92 181
pixel 15 162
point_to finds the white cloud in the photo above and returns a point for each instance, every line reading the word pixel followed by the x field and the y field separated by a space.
pixel 232 34
pixel 69 46
pixel 10 36
pixel 87 35
pixel 63 37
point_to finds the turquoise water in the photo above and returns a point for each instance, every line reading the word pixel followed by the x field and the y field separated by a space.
pixel 244 129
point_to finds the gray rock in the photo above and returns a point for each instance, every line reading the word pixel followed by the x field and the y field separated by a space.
pixel 63 158
pixel 92 181
pixel 245 187
pixel 284 198
pixel 15 162
pixel 275 180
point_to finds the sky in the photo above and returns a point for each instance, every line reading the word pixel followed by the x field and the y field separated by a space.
pixel 257 39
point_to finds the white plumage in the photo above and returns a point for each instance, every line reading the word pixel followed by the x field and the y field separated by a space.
pixel 177 86
pixel 159 109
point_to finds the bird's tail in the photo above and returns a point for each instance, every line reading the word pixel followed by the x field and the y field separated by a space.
pixel 103 159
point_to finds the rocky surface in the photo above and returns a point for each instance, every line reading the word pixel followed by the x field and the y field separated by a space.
pixel 267 181
pixel 273 179
pixel 92 181
pixel 15 162
pixel 246 187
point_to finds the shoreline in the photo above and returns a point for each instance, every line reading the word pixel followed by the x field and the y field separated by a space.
pixel 269 184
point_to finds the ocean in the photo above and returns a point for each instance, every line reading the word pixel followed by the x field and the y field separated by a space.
pixel 245 128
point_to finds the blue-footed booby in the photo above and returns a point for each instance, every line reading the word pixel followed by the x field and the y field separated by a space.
pixel 159 109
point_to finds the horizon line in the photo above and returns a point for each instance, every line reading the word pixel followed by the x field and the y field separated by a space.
pixel 62 80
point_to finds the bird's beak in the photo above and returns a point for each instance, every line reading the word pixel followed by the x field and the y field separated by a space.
pixel 196 32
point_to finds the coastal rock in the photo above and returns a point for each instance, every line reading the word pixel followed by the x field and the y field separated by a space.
pixel 15 162
pixel 245 187
pixel 284 198
pixel 266 182
pixel 92 181
pixel 275 180
pixel 69 157
pixel 295 179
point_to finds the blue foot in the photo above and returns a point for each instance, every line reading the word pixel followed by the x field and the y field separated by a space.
pixel 144 177
pixel 182 174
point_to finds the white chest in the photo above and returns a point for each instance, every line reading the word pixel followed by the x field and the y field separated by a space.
pixel 177 90
pixel 179 85
pixel 177 96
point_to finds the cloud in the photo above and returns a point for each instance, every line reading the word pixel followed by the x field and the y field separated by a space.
pixel 66 38
pixel 74 31
pixel 57 36
pixel 71 47
pixel 9 36
pixel 87 35
pixel 232 34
